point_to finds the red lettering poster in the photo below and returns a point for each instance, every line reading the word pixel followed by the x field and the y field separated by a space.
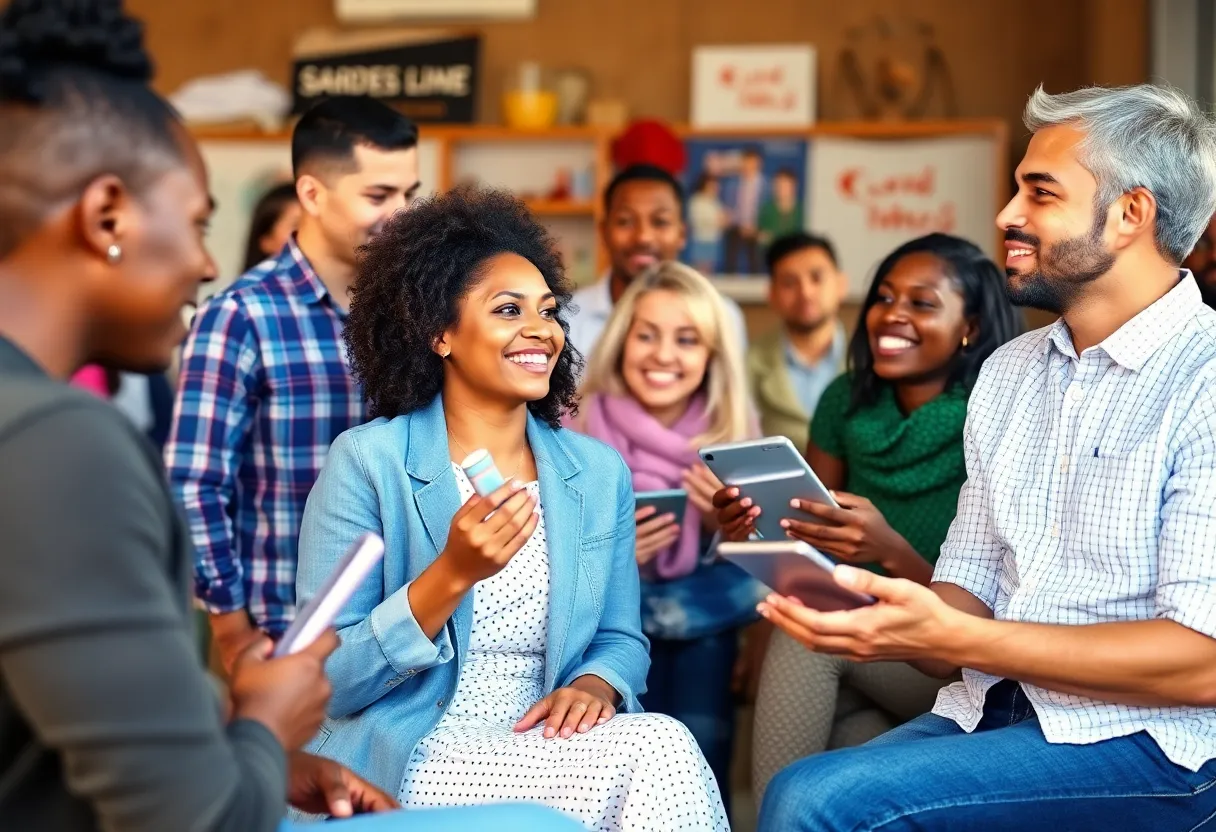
pixel 753 86
pixel 871 196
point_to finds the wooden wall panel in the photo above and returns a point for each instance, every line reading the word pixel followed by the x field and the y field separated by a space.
pixel 639 50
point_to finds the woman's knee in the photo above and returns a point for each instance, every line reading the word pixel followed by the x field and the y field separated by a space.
pixel 654 729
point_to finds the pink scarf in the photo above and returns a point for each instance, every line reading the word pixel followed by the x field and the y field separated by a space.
pixel 657 456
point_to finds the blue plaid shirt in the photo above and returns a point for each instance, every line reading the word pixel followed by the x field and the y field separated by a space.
pixel 265 388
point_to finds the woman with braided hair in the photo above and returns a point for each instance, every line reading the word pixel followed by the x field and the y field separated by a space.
pixel 107 720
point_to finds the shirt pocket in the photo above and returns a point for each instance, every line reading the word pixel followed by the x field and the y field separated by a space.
pixel 1115 511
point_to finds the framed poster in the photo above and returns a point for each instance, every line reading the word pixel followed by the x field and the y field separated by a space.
pixel 869 196
pixel 742 192
pixel 753 86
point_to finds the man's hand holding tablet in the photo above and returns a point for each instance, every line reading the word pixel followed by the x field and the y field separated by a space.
pixel 908 623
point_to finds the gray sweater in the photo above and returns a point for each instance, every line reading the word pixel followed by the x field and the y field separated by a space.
pixel 107 718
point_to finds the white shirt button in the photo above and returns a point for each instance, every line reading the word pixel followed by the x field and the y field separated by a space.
pixel 1055 529
pixel 1077 392
pixel 1064 464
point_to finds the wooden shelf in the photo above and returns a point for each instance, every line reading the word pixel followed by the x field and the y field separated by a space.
pixel 561 207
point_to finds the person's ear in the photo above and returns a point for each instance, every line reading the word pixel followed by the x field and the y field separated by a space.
pixel 442 346
pixel 106 217
pixel 971 333
pixel 311 193
pixel 1135 215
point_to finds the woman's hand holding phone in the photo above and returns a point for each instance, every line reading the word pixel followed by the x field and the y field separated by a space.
pixel 654 533
pixel 487 532
pixel 701 485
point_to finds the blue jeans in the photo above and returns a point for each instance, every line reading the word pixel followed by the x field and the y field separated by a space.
pixel 929 774
pixel 516 817
pixel 690 681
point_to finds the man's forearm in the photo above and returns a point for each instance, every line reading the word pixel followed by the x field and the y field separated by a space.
pixel 1151 663
pixel 964 601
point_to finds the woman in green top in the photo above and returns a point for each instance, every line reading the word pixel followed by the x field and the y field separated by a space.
pixel 887 439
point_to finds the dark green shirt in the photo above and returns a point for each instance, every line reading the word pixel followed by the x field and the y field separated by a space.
pixel 911 467
pixel 107 718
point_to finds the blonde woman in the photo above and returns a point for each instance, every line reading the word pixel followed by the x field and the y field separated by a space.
pixel 666 378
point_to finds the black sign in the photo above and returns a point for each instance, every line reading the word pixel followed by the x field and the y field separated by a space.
pixel 429 82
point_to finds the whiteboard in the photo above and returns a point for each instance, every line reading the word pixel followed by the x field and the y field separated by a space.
pixel 870 196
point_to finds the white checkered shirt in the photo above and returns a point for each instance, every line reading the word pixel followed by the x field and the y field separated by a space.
pixel 1091 497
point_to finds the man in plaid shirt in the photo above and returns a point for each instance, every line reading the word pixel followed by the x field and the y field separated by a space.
pixel 265 383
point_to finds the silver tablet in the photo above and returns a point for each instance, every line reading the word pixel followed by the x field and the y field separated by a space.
pixel 797 569
pixel 771 472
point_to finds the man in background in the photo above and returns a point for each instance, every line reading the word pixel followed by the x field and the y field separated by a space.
pixel 265 384
pixel 788 369
pixel 643 225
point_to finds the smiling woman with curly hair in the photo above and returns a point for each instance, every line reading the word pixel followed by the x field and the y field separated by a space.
pixel 412 280
pixel 493 623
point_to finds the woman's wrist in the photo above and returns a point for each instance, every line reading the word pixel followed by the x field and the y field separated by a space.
pixel 596 686
pixel 445 578
pixel 902 561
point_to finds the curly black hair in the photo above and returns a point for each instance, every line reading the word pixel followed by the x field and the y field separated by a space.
pixel 411 279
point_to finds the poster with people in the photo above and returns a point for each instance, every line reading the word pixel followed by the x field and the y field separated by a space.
pixel 742 194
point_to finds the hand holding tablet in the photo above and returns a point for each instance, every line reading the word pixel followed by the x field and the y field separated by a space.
pixel 770 473
pixel 793 568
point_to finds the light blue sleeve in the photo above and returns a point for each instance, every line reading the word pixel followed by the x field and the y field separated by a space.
pixel 382 642
pixel 619 653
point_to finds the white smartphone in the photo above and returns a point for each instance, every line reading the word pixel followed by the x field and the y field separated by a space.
pixel 771 472
pixel 321 610
pixel 791 567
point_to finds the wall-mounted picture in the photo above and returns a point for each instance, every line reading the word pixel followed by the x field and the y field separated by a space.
pixel 742 193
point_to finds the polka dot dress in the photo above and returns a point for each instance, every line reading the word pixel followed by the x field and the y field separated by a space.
pixel 634 772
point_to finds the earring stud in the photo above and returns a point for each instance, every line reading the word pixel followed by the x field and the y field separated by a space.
pixel 965 342
pixel 114 254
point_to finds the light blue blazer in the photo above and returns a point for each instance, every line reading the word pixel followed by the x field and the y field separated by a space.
pixel 394 477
